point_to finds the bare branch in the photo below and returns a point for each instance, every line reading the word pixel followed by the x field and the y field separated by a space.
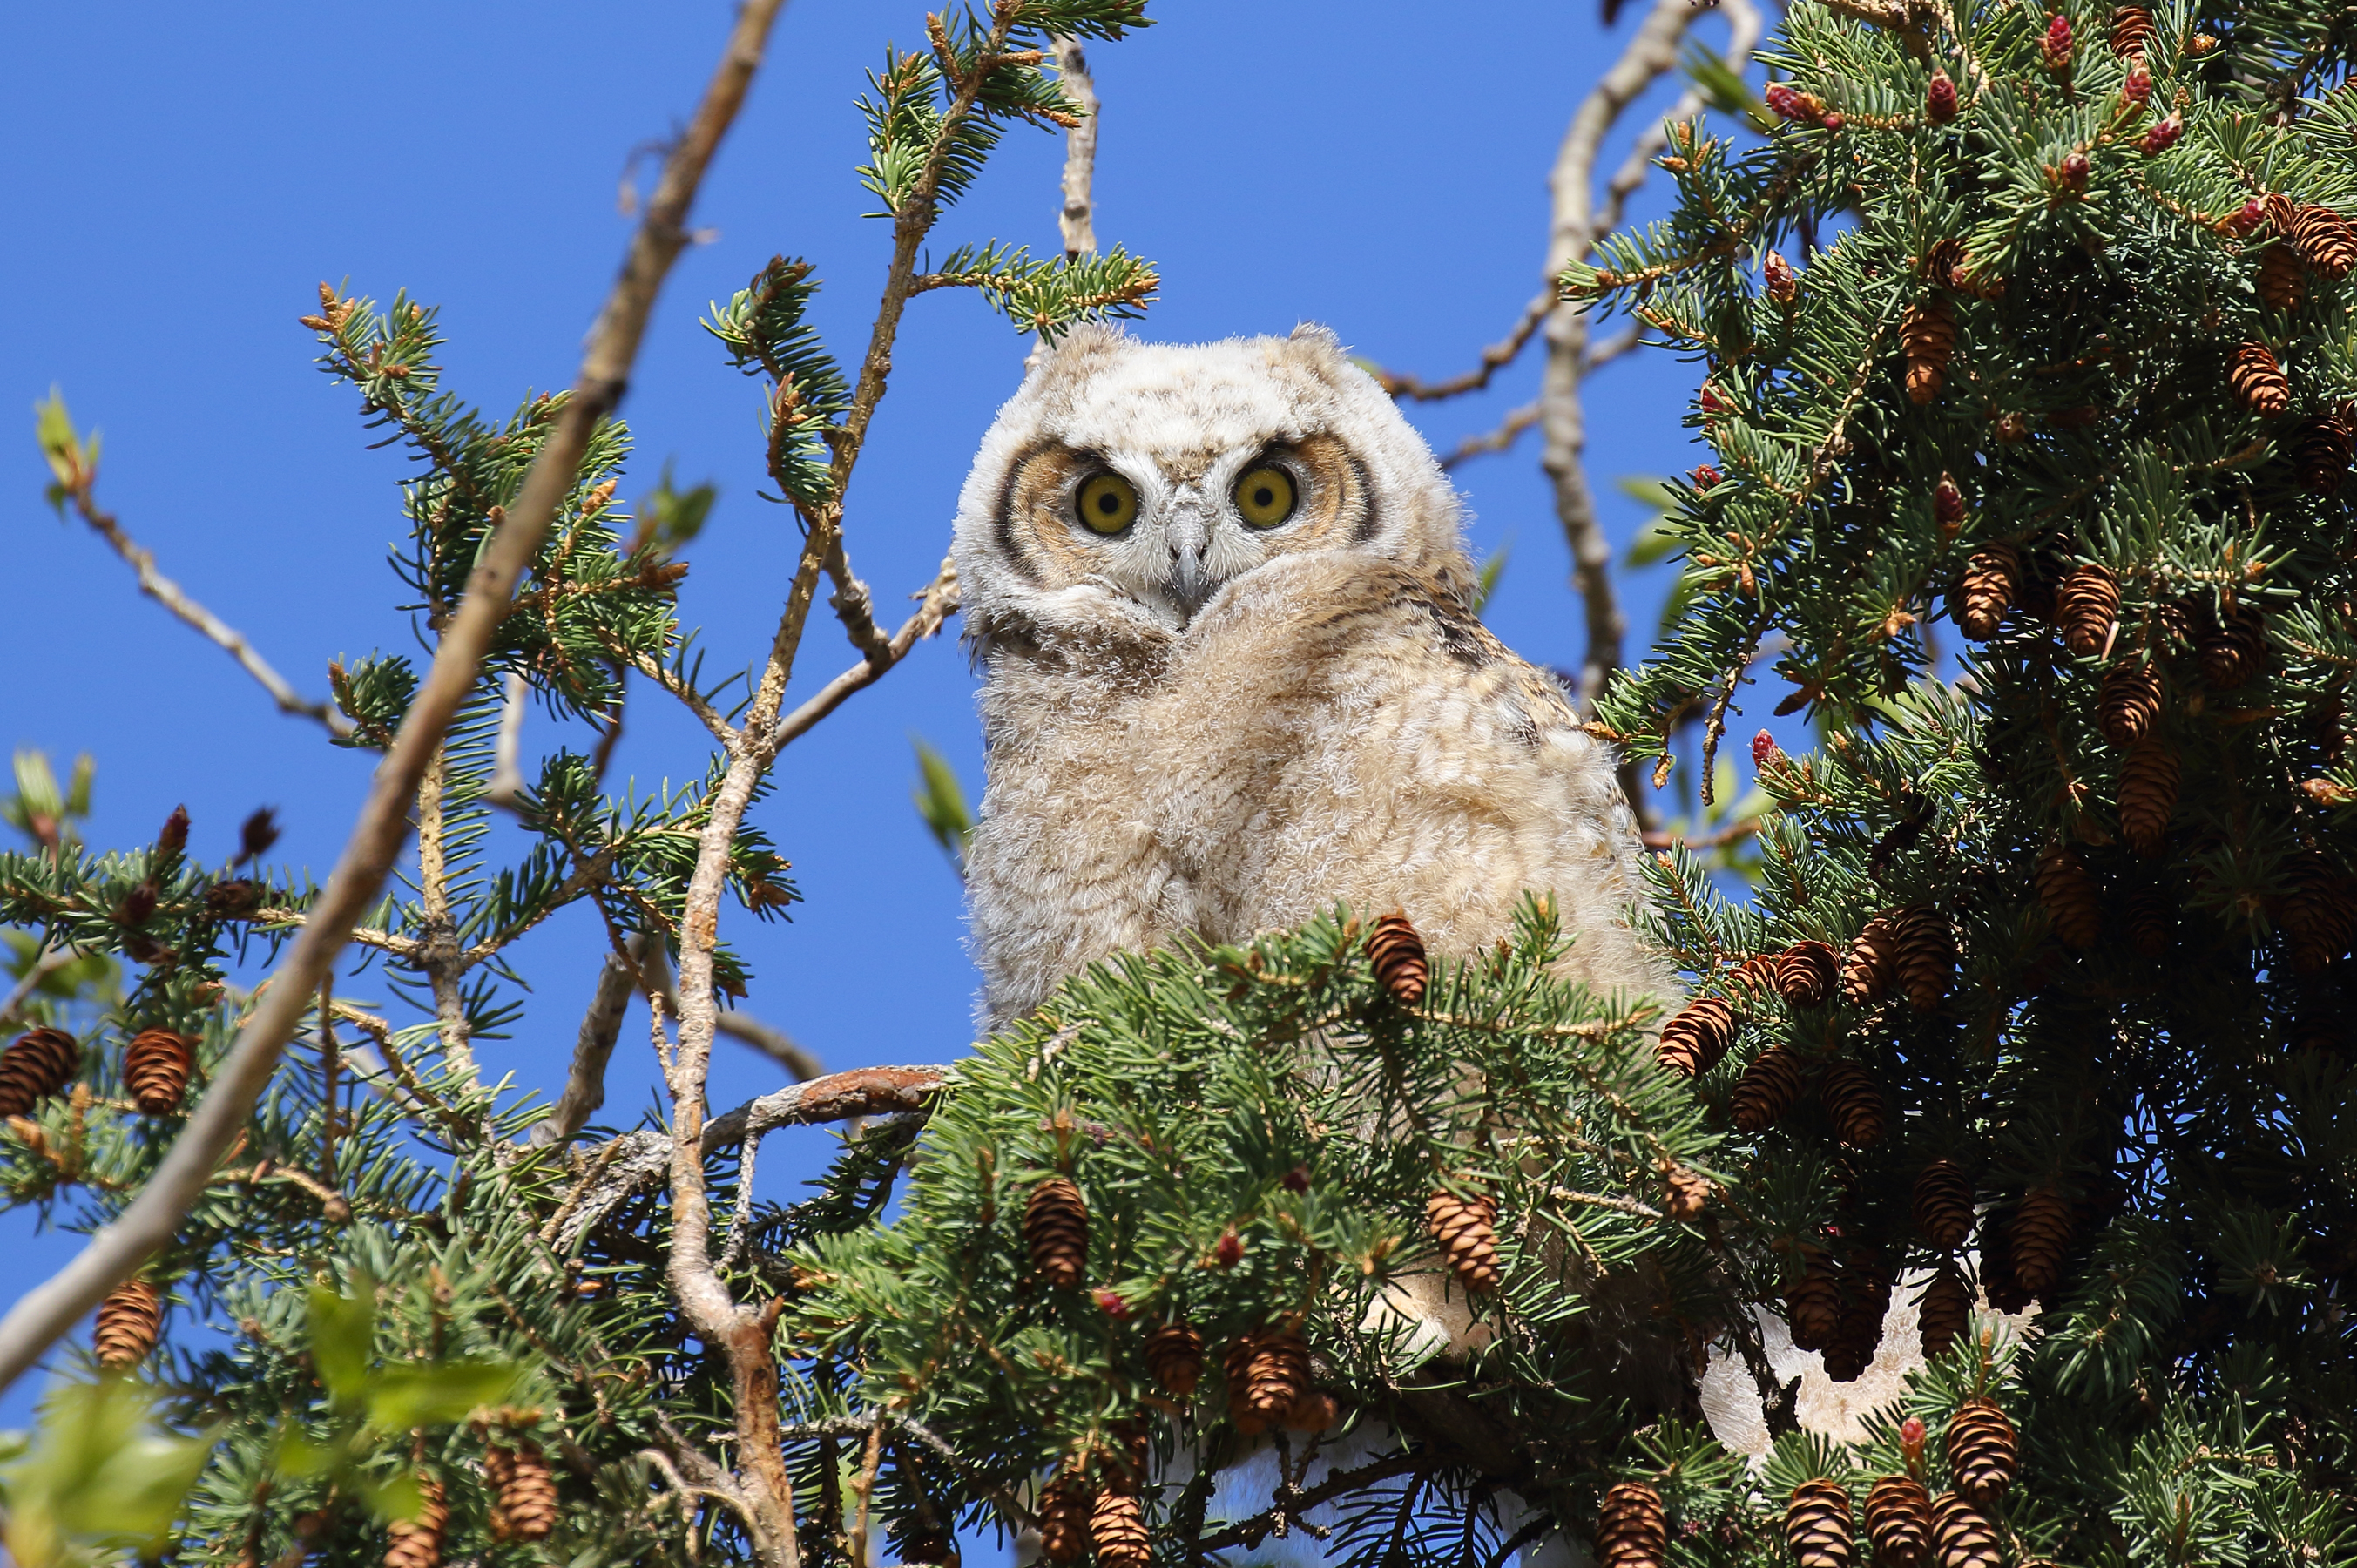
pixel 51 1308
pixel 1494 358
pixel 1735 833
pixel 1510 430
pixel 707 714
pixel 766 1038
pixel 175 598
pixel 47 962
pixel 939 602
pixel 601 1026
pixel 508 783
pixel 1078 220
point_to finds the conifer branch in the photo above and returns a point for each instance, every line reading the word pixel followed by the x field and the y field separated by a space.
pixel 51 1308
pixel 76 466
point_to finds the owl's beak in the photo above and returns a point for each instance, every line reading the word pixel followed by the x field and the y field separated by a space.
pixel 1187 535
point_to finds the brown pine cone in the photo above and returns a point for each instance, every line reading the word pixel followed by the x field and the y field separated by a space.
pixel 2233 647
pixel 1267 1379
pixel 1466 1228
pixel 1398 954
pixel 1768 1088
pixel 1692 1042
pixel 1986 590
pixel 1065 1519
pixel 1999 1283
pixel 1685 1194
pixel 1753 977
pixel 1927 334
pixel 1631 1531
pixel 1872 963
pixel 2325 240
pixel 523 1491
pixel 2088 606
pixel 2282 280
pixel 1899 1521
pixel 1817 1525
pixel 1813 1307
pixel 2068 891
pixel 2319 917
pixel 929 1544
pixel 1941 1204
pixel 128 1321
pixel 2149 795
pixel 2322 448
pixel 1055 1231
pixel 1857 1336
pixel 1982 1453
pixel 37 1066
pixel 418 1543
pixel 1119 1529
pixel 1806 974
pixel 2130 707
pixel 1962 1536
pixel 2258 380
pixel 1926 956
pixel 1943 1312
pixel 1852 1103
pixel 2151 920
pixel 155 1069
pixel 2131 31
pixel 2039 1238
pixel 1174 1354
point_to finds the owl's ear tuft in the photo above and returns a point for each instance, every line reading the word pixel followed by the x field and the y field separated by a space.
pixel 1319 338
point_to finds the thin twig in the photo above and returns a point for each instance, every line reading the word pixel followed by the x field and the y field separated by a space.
pixel 54 1306
pixel 81 489
pixel 939 602
pixel 1249 1531
pixel 1494 358
pixel 737 1025
pixel 1510 430
pixel 1735 833
pixel 48 962
pixel 593 1047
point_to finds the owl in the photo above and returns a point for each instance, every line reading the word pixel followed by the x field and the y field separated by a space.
pixel 1232 676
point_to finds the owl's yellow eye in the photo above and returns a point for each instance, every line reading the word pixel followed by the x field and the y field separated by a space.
pixel 1108 503
pixel 1264 496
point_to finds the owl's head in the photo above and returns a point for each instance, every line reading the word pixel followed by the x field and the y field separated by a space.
pixel 1128 483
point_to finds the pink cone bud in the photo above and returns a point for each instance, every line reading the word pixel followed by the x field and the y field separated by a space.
pixel 2163 136
pixel 1765 752
pixel 1940 99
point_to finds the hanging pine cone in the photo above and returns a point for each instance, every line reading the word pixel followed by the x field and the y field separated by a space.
pixel 128 1321
pixel 1768 1088
pixel 1926 959
pixel 1119 1529
pixel 155 1069
pixel 37 1066
pixel 1999 1283
pixel 1754 977
pixel 1055 1230
pixel 2131 31
pixel 523 1491
pixel 929 1544
pixel 1859 1335
pixel 1174 1354
pixel 2282 280
pixel 1813 1307
pixel 2319 917
pixel 2088 606
pixel 1685 1194
pixel 1267 1373
pixel 2233 647
pixel 1466 1230
pixel 1692 1042
pixel 1817 1525
pixel 2325 240
pixel 1983 1453
pixel 1927 334
pixel 2068 891
pixel 1064 1520
pixel 1397 953
pixel 1806 974
pixel 418 1543
pixel 1986 590
pixel 2149 795
pixel 2039 1237
pixel 1943 1312
pixel 1852 1103
pixel 1873 961
pixel 2321 449
pixel 2151 920
pixel 1962 1536
pixel 1941 1204
pixel 1631 1531
pixel 2129 708
pixel 2258 380
pixel 1899 1521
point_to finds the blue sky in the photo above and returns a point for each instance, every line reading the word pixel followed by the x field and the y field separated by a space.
pixel 184 176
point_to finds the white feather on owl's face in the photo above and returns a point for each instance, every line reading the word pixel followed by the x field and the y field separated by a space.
pixel 1135 480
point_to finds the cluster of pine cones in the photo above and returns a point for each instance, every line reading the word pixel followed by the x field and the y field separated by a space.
pixel 524 1503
